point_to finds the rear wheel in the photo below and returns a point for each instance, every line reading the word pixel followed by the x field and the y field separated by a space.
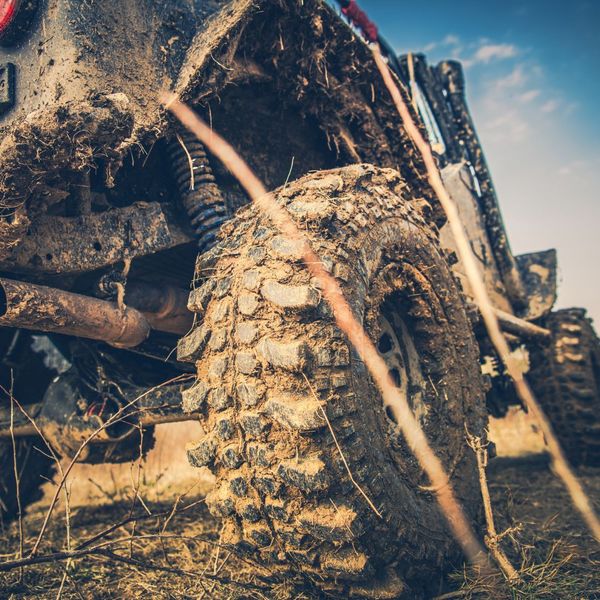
pixel 276 377
pixel 565 375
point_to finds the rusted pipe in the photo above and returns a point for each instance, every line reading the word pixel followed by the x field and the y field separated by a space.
pixel 41 308
pixel 524 329
pixel 165 308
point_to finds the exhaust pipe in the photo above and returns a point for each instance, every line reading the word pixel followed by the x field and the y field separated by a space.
pixel 40 308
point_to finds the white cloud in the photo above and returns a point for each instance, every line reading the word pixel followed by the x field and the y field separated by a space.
pixel 581 167
pixel 550 106
pixel 486 52
pixel 489 52
pixel 529 95
pixel 508 126
pixel 518 77
pixel 513 98
pixel 451 40
pixel 482 51
pixel 504 106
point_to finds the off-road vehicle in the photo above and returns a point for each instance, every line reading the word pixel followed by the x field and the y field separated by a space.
pixel 110 213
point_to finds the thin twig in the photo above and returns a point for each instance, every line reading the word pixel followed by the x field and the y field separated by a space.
pixel 104 552
pixel 176 506
pixel 190 162
pixel 215 572
pixel 136 486
pixel 100 547
pixel 62 582
pixel 16 469
pixel 68 526
pixel 126 521
pixel 77 454
pixel 492 539
pixel 74 584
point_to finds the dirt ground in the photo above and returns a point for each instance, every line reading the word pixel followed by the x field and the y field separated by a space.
pixel 172 550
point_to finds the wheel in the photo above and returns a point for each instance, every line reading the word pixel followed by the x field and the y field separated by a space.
pixel 33 468
pixel 277 380
pixel 565 375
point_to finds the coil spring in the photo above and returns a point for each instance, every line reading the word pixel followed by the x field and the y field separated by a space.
pixel 199 193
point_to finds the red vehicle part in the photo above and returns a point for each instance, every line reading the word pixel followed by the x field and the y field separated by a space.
pixel 8 11
pixel 16 18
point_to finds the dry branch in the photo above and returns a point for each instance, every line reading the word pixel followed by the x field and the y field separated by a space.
pixel 55 557
pixel 16 469
pixel 492 539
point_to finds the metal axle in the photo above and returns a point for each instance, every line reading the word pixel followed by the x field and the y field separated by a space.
pixel 520 327
pixel 40 308
pixel 22 426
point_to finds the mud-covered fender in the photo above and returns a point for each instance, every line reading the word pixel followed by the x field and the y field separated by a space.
pixel 89 77
pixel 222 28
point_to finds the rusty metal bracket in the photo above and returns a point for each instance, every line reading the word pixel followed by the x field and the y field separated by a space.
pixel 60 245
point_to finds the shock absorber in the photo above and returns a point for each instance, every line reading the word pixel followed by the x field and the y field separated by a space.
pixel 199 192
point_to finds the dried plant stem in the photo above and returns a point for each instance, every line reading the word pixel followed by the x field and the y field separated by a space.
pixel 100 547
pixel 56 459
pixel 81 448
pixel 16 470
pixel 68 526
pixel 348 324
pixel 486 308
pixel 135 484
pixel 140 517
pixel 492 539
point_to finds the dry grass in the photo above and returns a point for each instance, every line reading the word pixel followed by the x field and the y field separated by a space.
pixel 182 560
pixel 548 545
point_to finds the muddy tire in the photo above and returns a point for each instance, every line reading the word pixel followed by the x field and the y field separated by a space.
pixel 263 333
pixel 565 375
pixel 33 469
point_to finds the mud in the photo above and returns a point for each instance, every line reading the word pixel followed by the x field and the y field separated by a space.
pixel 318 78
pixel 295 92
pixel 266 439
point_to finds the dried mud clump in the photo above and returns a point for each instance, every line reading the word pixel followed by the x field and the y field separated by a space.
pixel 40 150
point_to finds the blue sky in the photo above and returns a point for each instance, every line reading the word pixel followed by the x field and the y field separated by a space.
pixel 533 84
